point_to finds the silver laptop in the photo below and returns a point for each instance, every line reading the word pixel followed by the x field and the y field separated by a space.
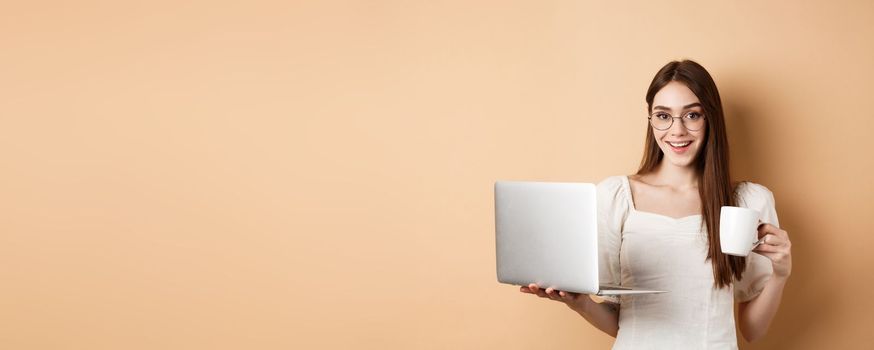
pixel 547 233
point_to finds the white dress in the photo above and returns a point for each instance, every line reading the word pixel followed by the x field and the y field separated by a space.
pixel 652 251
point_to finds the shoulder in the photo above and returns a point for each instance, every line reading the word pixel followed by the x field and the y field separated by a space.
pixel 752 195
pixel 611 184
pixel 612 191
pixel 611 181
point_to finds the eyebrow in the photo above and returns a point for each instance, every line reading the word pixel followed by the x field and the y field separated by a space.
pixel 696 104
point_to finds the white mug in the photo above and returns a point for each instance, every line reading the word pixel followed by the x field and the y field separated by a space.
pixel 738 230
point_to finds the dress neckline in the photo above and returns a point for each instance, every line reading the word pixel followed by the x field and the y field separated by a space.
pixel 627 185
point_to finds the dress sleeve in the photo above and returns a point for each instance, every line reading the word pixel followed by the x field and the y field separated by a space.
pixel 612 210
pixel 758 267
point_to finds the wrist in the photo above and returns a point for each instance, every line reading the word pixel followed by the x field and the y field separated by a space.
pixel 582 305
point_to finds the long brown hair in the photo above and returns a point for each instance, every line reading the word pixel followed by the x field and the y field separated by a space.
pixel 714 184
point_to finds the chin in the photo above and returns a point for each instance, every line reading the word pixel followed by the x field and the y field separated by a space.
pixel 679 161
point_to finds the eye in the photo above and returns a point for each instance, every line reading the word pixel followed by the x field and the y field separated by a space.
pixel 693 116
pixel 662 116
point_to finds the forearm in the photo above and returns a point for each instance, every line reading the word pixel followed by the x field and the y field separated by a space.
pixel 604 316
pixel 755 316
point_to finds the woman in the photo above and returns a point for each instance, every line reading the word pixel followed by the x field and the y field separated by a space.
pixel 659 229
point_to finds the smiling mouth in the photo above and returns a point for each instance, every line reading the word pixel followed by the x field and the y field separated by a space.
pixel 680 144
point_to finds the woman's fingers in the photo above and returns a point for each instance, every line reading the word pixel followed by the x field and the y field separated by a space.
pixel 780 260
pixel 765 229
pixel 548 293
pixel 567 296
pixel 553 294
pixel 767 240
pixel 766 248
pixel 777 247
pixel 770 241
pixel 536 289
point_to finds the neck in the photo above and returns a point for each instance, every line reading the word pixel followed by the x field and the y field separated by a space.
pixel 679 177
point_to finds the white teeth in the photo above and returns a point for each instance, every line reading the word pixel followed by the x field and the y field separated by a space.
pixel 684 144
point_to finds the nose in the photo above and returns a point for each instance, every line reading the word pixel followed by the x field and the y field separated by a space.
pixel 677 128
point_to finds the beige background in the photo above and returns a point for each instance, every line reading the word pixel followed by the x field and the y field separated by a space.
pixel 266 175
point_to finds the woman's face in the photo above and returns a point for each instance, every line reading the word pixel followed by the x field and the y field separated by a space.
pixel 679 144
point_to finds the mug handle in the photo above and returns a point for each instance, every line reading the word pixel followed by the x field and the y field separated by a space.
pixel 760 240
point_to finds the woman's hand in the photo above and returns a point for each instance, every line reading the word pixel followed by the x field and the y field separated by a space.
pixel 777 247
pixel 603 316
pixel 576 301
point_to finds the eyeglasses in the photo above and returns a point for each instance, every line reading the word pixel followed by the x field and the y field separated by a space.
pixel 692 121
